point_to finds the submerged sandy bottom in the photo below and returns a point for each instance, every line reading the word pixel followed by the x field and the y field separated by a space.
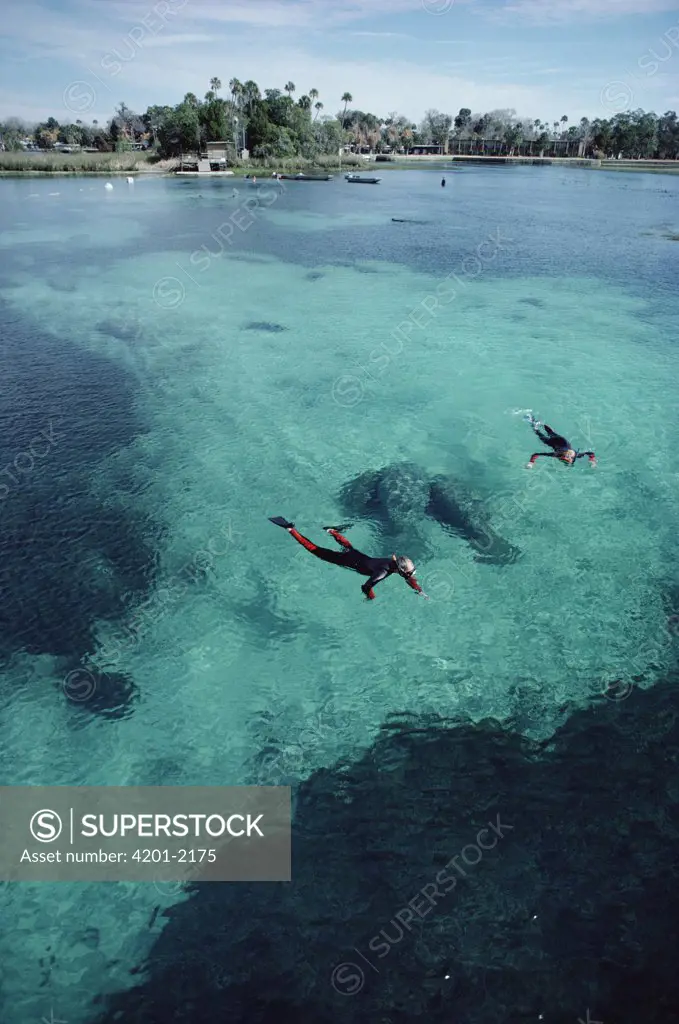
pixel 265 392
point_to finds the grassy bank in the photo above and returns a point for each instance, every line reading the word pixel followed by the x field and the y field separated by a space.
pixel 144 163
pixel 83 163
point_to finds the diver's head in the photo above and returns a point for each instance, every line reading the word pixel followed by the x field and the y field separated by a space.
pixel 567 456
pixel 405 566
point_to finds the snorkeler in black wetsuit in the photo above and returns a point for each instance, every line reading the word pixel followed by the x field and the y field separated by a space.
pixel 377 569
pixel 561 447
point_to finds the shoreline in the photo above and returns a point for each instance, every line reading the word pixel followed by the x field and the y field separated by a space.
pixel 62 173
pixel 372 167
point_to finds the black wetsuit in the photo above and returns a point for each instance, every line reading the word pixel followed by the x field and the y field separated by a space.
pixel 559 445
pixel 377 569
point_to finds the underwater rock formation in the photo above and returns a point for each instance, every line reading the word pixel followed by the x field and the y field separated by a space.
pixel 111 695
pixel 455 873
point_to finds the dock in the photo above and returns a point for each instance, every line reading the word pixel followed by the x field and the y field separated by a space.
pixel 211 163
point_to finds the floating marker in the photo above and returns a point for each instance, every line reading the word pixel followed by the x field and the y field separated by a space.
pixel 130 181
pixel 108 185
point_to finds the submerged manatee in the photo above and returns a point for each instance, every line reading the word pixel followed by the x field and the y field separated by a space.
pixel 396 494
pixel 461 512
pixel 359 498
pixel 403 496
pixel 395 498
pixel 265 325
pixel 403 493
pixel 399 496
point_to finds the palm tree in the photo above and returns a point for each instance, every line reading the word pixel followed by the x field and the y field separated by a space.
pixel 358 132
pixel 250 94
pixel 585 134
pixel 347 98
pixel 313 93
pixel 535 127
pixel 317 107
pixel 304 102
pixel 215 85
pixel 289 88
pixel 236 90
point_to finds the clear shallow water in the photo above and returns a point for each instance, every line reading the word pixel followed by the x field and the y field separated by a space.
pixel 198 386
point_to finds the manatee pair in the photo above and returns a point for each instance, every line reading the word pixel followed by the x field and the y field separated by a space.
pixel 399 496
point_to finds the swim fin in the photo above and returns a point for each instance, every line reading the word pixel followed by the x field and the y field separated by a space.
pixel 280 521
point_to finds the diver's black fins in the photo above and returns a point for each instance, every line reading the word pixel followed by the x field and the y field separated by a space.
pixel 280 521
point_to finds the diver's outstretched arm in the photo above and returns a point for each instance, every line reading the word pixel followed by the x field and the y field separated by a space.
pixel 376 578
pixel 590 455
pixel 412 582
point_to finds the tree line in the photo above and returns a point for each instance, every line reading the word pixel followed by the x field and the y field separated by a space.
pixel 274 124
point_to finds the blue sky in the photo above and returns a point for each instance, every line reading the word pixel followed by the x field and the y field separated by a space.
pixel 544 58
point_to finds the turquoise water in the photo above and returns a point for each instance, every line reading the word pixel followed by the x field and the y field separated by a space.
pixel 205 363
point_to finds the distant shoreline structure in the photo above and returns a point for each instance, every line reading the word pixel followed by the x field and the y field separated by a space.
pixel 144 168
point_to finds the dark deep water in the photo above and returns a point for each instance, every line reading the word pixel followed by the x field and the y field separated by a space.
pixel 61 411
pixel 396 913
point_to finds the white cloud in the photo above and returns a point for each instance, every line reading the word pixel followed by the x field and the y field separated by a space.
pixel 301 13
pixel 104 46
pixel 175 40
pixel 382 35
pixel 375 86
pixel 551 11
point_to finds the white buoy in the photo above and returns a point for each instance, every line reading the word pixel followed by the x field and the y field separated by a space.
pixel 130 181
pixel 108 185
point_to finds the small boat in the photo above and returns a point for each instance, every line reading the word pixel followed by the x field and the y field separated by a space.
pixel 358 180
pixel 306 177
